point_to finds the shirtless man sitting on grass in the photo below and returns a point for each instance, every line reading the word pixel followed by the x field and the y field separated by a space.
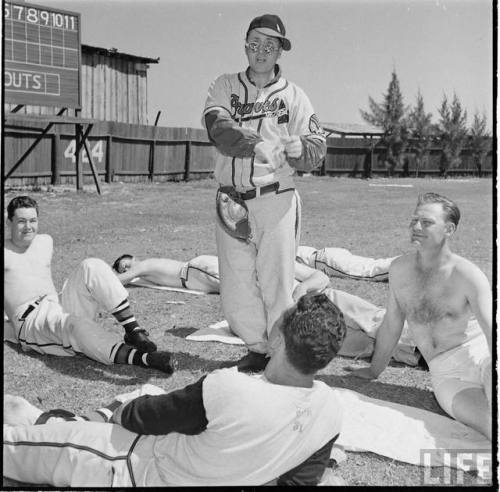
pixel 66 325
pixel 437 292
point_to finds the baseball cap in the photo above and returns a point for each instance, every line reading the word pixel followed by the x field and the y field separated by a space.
pixel 271 25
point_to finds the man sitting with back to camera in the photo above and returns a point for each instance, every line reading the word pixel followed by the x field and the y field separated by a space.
pixel 228 428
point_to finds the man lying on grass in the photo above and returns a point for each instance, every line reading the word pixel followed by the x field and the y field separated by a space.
pixel 202 273
pixel 436 292
pixel 228 428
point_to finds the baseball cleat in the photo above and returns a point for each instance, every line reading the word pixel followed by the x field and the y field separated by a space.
pixel 252 362
pixel 162 361
pixel 139 339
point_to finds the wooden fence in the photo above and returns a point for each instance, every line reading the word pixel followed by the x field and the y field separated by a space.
pixel 360 157
pixel 124 152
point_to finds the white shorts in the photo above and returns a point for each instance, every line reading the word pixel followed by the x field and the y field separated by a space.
pixel 463 367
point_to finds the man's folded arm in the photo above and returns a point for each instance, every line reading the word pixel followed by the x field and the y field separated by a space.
pixel 178 411
pixel 230 138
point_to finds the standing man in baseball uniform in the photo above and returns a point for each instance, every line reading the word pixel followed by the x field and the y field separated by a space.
pixel 39 322
pixel 264 128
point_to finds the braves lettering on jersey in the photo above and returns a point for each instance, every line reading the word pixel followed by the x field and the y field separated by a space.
pixel 280 109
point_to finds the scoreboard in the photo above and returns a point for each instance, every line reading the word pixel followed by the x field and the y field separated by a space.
pixel 42 55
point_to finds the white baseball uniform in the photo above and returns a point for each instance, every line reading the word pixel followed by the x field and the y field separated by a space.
pixel 340 262
pixel 70 326
pixel 363 320
pixel 242 441
pixel 201 273
pixel 257 277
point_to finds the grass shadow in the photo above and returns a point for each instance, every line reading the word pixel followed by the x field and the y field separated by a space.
pixel 81 367
pixel 191 362
pixel 181 331
pixel 404 395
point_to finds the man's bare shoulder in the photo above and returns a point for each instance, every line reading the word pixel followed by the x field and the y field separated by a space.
pixel 401 264
pixel 466 269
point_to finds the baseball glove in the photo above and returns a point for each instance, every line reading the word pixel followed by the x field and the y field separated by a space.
pixel 232 214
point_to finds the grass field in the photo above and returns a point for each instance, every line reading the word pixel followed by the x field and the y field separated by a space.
pixel 176 220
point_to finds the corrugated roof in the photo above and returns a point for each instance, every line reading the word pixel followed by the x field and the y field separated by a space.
pixel 114 52
pixel 351 129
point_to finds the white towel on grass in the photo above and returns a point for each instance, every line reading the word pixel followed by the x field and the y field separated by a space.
pixel 389 429
pixel 216 332
pixel 138 282
pixel 409 434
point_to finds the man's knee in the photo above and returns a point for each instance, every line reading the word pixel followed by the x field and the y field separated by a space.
pixel 471 406
pixel 94 264
pixel 18 411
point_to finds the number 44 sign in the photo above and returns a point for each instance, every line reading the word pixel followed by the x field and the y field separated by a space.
pixel 96 152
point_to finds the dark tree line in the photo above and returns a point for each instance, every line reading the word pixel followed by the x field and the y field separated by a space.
pixel 408 129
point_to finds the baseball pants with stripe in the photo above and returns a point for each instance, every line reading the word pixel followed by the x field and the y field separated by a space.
pixel 68 327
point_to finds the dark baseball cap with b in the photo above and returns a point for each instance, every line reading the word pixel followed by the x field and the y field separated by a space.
pixel 271 25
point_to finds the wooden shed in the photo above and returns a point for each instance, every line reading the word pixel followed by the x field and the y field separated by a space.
pixel 113 87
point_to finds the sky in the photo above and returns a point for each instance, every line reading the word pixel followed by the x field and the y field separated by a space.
pixel 343 51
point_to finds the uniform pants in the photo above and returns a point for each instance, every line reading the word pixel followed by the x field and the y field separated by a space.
pixel 70 327
pixel 201 273
pixel 363 320
pixel 340 262
pixel 70 454
pixel 256 278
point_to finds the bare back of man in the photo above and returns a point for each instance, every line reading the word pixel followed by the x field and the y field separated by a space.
pixel 27 272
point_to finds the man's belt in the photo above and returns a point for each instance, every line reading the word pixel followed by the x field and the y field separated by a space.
pixel 255 192
pixel 31 307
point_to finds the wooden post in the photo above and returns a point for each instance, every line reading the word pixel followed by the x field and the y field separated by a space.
pixel 372 148
pixel 187 162
pixel 157 118
pixel 152 149
pixel 91 163
pixel 109 163
pixel 78 146
pixel 56 156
